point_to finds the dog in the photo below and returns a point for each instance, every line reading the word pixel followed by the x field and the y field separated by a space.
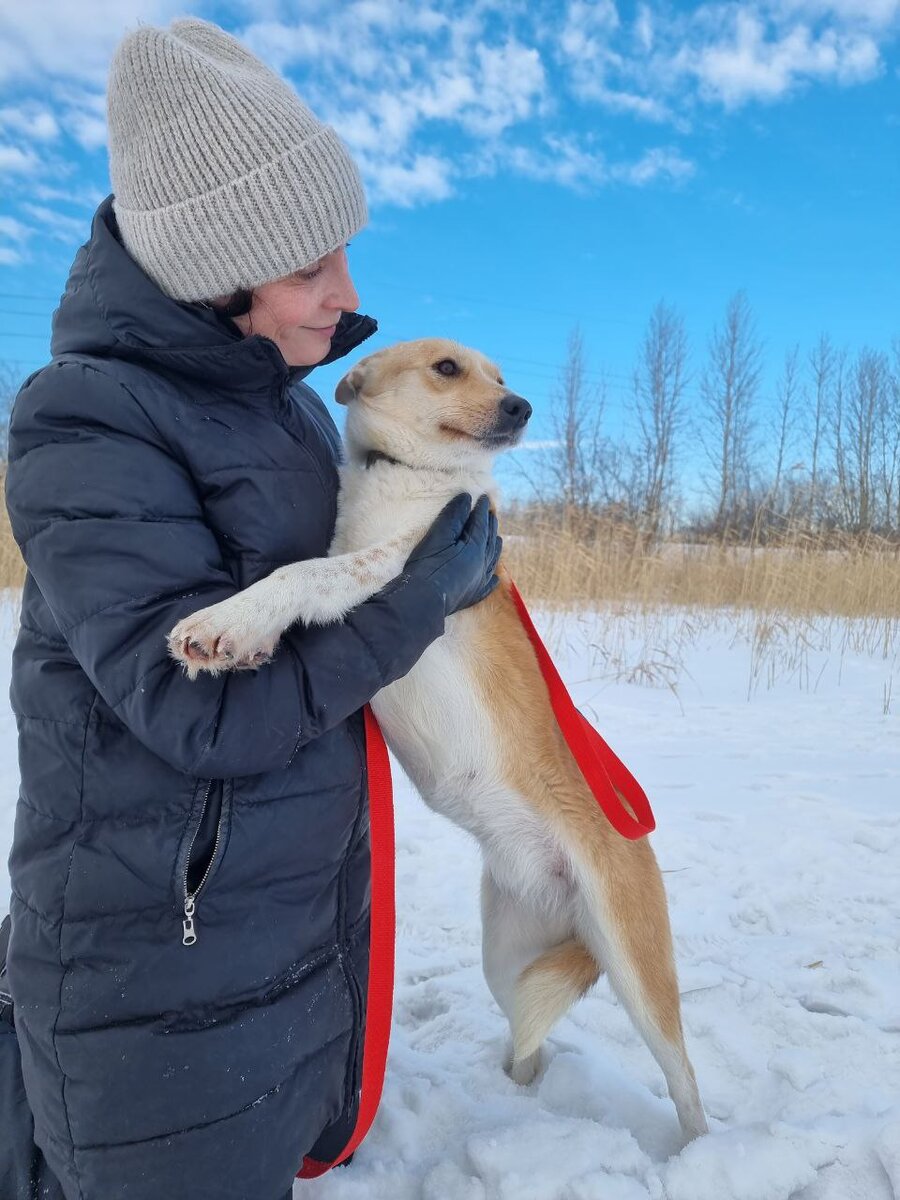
pixel 563 897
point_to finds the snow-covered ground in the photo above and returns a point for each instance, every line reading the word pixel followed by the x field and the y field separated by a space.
pixel 774 770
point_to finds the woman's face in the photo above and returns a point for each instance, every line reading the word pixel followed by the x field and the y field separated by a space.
pixel 300 312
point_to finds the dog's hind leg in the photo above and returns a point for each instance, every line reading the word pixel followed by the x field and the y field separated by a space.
pixel 624 921
pixel 534 969
pixel 547 989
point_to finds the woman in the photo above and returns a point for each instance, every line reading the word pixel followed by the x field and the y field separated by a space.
pixel 190 868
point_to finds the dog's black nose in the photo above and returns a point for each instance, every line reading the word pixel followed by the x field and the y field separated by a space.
pixel 514 411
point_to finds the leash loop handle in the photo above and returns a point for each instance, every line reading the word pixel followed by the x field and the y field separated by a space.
pixel 615 789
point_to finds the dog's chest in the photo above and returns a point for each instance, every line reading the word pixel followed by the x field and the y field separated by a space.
pixel 377 505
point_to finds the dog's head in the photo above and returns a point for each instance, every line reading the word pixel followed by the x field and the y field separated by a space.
pixel 431 403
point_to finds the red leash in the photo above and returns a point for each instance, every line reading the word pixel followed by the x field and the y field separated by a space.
pixel 606 775
pixel 608 778
pixel 380 999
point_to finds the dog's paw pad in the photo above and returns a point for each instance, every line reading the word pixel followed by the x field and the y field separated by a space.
pixel 198 650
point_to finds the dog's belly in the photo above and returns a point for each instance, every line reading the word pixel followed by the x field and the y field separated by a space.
pixel 447 745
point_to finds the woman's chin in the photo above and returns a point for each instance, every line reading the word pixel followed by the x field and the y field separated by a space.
pixel 305 352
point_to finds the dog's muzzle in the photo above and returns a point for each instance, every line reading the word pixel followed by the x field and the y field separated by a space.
pixel 512 416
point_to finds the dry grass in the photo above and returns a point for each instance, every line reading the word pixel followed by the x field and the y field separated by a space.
pixel 560 566
pixel 647 607
pixel 791 606
pixel 565 567
pixel 12 569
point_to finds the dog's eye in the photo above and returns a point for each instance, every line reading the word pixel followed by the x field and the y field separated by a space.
pixel 500 381
pixel 447 366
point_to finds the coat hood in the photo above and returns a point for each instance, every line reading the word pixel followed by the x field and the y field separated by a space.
pixel 111 308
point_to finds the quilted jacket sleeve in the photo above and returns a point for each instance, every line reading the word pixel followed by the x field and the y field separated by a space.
pixel 112 530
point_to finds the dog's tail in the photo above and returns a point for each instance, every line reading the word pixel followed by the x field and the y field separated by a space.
pixel 547 989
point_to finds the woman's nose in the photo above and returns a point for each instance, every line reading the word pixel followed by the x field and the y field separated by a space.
pixel 344 294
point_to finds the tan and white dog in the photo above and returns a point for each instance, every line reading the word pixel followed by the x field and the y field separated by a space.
pixel 564 897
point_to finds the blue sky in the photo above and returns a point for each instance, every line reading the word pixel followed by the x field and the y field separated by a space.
pixel 529 166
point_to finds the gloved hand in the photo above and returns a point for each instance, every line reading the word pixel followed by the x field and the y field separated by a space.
pixel 459 553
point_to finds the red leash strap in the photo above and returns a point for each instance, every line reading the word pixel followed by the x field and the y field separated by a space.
pixel 380 1000
pixel 605 774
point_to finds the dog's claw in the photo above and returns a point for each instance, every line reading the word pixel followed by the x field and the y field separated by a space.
pixel 208 641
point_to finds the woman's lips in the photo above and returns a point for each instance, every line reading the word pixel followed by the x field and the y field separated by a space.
pixel 328 331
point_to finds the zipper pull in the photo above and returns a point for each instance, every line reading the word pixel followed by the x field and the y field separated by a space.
pixel 190 935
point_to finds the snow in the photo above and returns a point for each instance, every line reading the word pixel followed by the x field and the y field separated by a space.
pixel 773 765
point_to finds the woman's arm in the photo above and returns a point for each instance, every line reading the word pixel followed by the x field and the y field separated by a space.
pixel 112 529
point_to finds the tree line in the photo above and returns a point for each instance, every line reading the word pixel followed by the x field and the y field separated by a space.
pixel 707 450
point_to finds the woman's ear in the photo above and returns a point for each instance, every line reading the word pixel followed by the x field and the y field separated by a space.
pixel 350 386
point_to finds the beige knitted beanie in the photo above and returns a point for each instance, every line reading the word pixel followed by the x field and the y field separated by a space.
pixel 222 177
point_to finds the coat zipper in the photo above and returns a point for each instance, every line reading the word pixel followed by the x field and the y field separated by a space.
pixel 347 959
pixel 189 934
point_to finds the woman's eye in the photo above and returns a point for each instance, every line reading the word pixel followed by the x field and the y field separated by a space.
pixel 307 273
pixel 447 366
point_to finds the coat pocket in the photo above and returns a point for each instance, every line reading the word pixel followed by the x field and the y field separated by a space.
pixel 202 849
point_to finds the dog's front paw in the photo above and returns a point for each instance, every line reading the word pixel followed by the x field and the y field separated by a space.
pixel 217 639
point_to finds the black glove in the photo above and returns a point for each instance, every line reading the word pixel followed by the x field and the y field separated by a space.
pixel 459 553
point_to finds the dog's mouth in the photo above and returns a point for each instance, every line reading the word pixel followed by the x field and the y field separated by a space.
pixel 501 441
pixel 490 440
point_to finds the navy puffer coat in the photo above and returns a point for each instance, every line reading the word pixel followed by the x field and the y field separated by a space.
pixel 158 464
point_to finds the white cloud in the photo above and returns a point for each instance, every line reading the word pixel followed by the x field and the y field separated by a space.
pixel 82 197
pixel 482 88
pixel 878 14
pixel 13 229
pixel 655 164
pixel 750 65
pixel 509 85
pixel 563 161
pixel 643 28
pixel 31 121
pixel 558 160
pixel 56 224
pixel 58 39
pixel 647 107
pixel 726 53
pixel 426 178
pixel 280 44
pixel 14 161
pixel 506 83
pixel 83 116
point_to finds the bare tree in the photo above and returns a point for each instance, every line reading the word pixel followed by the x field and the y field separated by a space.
pixel 660 379
pixel 842 504
pixel 866 397
pixel 581 461
pixel 893 519
pixel 728 388
pixel 785 416
pixel 887 435
pixel 859 397
pixel 821 363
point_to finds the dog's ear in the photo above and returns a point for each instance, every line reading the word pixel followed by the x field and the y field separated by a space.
pixel 350 385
